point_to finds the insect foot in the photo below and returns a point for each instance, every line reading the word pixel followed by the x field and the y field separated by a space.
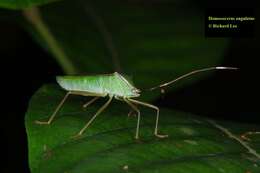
pixel 77 136
pixel 125 168
pixel 161 136
pixel 42 122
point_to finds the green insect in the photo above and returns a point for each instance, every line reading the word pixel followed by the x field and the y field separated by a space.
pixel 112 86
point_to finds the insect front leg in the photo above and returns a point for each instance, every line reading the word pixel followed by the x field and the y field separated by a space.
pixel 138 117
pixel 130 113
pixel 157 115
pixel 55 111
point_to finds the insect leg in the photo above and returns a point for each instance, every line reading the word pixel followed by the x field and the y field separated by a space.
pixel 157 116
pixel 138 117
pixel 131 111
pixel 55 111
pixel 92 119
pixel 90 102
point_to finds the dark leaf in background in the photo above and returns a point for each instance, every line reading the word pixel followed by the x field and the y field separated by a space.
pixel 21 4
pixel 153 43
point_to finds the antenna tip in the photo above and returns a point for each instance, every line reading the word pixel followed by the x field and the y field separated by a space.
pixel 227 68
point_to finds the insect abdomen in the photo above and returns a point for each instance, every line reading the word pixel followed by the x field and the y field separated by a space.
pixel 78 83
pixel 112 84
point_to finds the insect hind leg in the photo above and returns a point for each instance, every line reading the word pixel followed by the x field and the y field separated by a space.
pixel 55 111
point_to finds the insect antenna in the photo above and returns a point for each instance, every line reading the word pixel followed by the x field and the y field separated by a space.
pixel 161 86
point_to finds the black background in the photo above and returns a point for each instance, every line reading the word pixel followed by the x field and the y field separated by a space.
pixel 25 66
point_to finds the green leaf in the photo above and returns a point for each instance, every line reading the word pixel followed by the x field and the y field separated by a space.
pixel 153 43
pixel 195 144
pixel 22 4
